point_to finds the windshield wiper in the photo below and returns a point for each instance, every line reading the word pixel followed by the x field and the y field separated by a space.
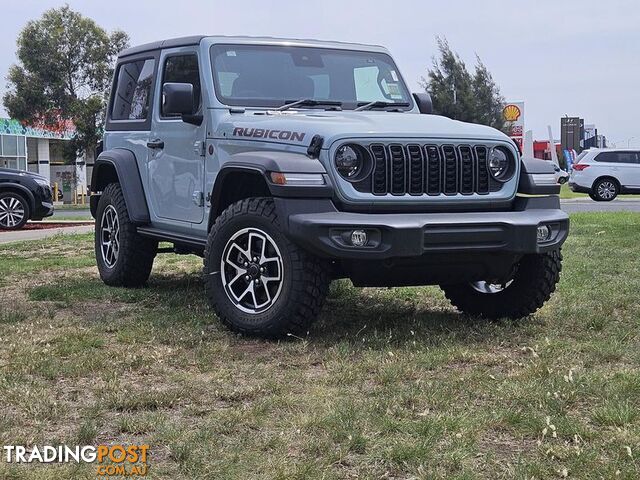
pixel 381 104
pixel 310 102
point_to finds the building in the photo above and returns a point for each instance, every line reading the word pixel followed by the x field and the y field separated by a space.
pixel 575 135
pixel 40 149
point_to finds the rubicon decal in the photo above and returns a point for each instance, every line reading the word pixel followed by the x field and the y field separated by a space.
pixel 271 134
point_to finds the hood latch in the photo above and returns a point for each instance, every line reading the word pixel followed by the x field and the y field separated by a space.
pixel 315 146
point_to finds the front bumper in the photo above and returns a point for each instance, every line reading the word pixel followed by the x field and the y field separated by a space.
pixel 42 210
pixel 319 227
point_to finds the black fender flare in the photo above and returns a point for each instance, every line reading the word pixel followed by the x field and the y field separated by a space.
pixel 262 163
pixel 124 163
pixel 22 190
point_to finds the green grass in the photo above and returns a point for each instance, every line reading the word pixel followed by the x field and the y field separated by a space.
pixel 388 384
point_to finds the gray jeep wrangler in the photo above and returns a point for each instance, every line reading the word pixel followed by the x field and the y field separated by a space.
pixel 289 163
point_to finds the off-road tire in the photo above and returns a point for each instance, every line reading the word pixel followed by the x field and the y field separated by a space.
pixel 13 197
pixel 305 281
pixel 533 283
pixel 596 187
pixel 135 254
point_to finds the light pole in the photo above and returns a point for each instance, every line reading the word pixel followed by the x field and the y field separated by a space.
pixel 629 141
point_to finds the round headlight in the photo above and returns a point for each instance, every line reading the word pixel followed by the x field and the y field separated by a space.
pixel 348 161
pixel 500 164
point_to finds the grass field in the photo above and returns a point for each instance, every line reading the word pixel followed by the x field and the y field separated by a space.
pixel 389 383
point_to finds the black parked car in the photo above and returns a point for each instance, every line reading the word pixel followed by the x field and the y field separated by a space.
pixel 23 196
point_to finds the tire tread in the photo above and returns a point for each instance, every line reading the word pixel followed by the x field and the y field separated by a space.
pixel 308 291
pixel 137 253
pixel 533 285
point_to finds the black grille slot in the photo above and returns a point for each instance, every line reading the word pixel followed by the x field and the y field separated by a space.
pixel 398 170
pixel 416 168
pixel 450 174
pixel 482 174
pixel 466 170
pixel 433 169
pixel 379 176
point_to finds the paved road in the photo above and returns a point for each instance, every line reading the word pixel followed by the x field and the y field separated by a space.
pixel 588 205
pixel 19 236
pixel 75 213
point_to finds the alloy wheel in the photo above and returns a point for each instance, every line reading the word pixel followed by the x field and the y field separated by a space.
pixel 487 287
pixel 110 236
pixel 606 190
pixel 11 212
pixel 251 270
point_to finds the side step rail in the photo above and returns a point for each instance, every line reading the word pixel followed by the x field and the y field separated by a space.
pixel 195 243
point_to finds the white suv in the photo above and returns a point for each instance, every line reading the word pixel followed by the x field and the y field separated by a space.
pixel 605 173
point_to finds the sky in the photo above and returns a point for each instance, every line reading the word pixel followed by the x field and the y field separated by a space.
pixel 561 57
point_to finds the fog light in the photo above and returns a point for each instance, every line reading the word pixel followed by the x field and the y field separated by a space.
pixel 544 233
pixel 359 238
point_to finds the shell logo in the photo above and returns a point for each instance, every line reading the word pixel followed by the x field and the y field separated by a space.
pixel 511 113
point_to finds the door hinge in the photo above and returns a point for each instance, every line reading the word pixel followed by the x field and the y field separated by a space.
pixel 198 198
pixel 200 148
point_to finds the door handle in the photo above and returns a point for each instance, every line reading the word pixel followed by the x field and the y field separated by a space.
pixel 157 143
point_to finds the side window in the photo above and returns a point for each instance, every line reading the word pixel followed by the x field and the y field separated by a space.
pixel 619 157
pixel 182 69
pixel 609 157
pixel 133 90
pixel 626 157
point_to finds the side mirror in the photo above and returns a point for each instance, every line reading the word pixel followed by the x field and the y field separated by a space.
pixel 423 100
pixel 177 99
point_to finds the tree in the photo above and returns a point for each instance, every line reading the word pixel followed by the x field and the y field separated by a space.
pixel 457 93
pixel 65 64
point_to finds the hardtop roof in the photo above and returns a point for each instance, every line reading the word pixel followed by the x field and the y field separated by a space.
pixel 196 39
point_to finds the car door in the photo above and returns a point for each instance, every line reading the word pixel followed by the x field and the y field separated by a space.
pixel 627 168
pixel 634 171
pixel 176 148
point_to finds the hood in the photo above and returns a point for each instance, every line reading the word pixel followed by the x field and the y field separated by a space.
pixel 299 127
pixel 11 172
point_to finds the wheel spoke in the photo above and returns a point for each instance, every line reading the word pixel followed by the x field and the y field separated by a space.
pixel 266 289
pixel 270 259
pixel 239 275
pixel 231 261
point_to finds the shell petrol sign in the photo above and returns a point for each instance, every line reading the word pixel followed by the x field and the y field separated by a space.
pixel 513 114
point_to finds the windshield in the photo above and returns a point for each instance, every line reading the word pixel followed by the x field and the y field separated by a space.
pixel 271 76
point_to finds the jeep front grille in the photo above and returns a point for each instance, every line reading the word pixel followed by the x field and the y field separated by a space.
pixel 418 169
